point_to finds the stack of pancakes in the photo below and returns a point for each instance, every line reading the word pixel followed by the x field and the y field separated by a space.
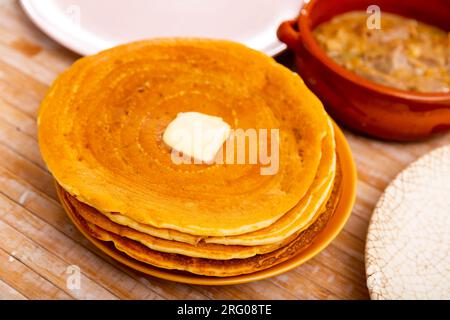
pixel 100 133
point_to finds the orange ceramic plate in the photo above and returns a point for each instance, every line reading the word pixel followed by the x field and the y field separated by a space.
pixel 334 226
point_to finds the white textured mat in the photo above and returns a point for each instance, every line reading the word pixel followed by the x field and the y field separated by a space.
pixel 408 244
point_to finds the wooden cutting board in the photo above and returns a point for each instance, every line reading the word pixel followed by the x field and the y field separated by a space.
pixel 38 244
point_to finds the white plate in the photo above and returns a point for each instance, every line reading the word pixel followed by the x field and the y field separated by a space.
pixel 88 26
pixel 408 244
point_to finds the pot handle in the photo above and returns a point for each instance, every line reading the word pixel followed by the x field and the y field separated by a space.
pixel 287 32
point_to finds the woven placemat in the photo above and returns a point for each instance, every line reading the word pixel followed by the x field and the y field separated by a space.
pixel 408 244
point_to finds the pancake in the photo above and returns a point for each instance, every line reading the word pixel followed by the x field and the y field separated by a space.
pixel 101 125
pixel 293 221
pixel 304 213
pixel 200 250
pixel 162 233
pixel 211 267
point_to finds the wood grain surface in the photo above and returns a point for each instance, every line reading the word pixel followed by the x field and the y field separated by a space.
pixel 38 243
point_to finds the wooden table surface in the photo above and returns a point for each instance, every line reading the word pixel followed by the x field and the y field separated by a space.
pixel 38 243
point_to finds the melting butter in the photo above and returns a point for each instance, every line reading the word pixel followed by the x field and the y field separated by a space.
pixel 197 135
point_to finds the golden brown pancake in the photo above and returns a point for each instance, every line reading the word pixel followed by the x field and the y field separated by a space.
pixel 162 233
pixel 295 220
pixel 199 250
pixel 211 267
pixel 101 123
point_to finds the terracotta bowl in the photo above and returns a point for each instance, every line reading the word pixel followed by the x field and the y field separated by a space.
pixel 358 103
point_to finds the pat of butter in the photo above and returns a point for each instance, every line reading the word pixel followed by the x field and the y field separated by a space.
pixel 197 135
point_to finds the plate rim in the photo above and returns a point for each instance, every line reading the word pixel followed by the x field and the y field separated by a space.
pixel 341 215
pixel 85 48
pixel 58 35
